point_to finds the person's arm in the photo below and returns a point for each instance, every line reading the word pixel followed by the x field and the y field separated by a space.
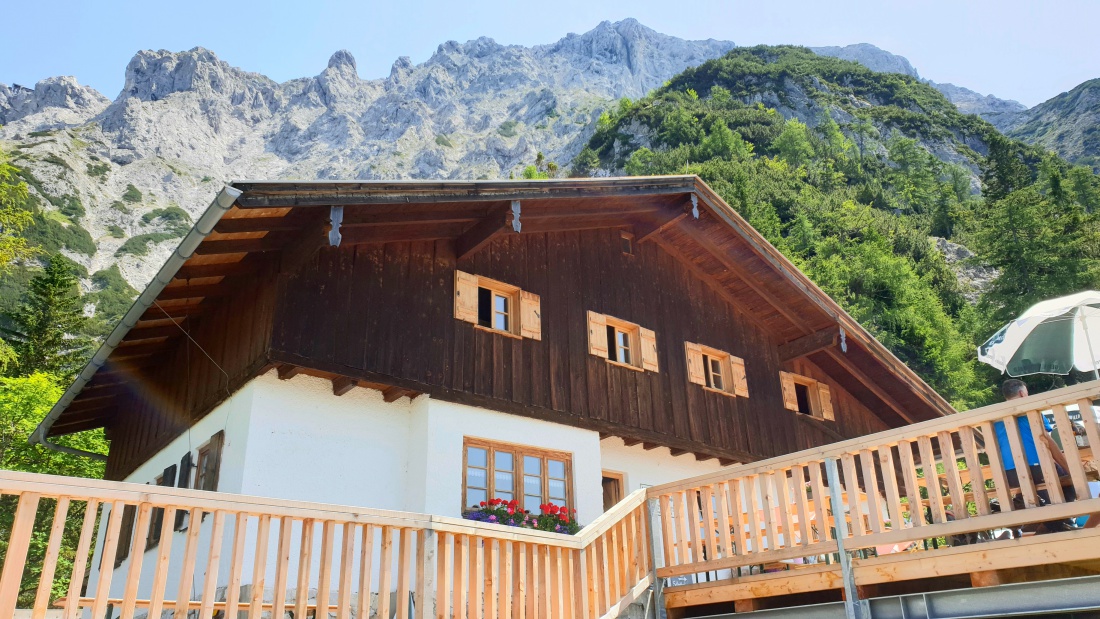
pixel 1055 452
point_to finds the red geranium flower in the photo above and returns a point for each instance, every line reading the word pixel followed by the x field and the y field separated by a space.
pixel 483 503
pixel 564 517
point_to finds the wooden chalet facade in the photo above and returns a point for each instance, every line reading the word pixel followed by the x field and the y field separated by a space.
pixel 267 288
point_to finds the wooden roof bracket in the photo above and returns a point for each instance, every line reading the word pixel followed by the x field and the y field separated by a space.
pixel 809 344
pixel 482 233
pixel 335 218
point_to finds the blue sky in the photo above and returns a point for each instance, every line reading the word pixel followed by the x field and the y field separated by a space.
pixel 1023 50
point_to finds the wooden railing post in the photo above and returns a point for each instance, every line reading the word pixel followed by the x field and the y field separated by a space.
pixel 852 609
pixel 426 570
pixel 656 553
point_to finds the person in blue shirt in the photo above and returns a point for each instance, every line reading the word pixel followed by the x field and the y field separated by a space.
pixel 1011 390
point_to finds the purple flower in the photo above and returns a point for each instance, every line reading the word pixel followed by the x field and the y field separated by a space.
pixel 492 518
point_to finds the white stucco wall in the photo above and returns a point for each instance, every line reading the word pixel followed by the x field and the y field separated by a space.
pixel 232 416
pixel 642 468
pixel 304 443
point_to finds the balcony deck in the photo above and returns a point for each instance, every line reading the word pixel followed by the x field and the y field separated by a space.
pixel 916 510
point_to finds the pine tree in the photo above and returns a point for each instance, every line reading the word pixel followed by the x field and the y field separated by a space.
pixel 47 331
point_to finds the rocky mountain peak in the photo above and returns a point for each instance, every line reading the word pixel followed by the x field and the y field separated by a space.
pixel 870 56
pixel 342 60
pixel 57 102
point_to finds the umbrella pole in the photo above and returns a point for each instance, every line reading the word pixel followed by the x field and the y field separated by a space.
pixel 1092 354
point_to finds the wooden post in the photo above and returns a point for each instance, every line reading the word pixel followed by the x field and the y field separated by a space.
pixel 852 609
pixel 426 573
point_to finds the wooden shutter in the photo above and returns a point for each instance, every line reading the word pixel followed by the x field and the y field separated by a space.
pixel 126 533
pixel 826 398
pixel 466 297
pixel 183 481
pixel 696 371
pixel 737 373
pixel 530 315
pixel 649 349
pixel 790 398
pixel 597 334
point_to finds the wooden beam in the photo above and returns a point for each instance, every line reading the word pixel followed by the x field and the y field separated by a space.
pixel 630 442
pixel 342 385
pixel 809 344
pixel 726 462
pixel 239 225
pixel 693 232
pixel 240 246
pixel 676 451
pixel 363 235
pixel 650 446
pixel 482 233
pixel 172 293
pixel 713 283
pixel 139 333
pixel 288 371
pixel 703 457
pixel 246 266
pixel 393 393
pixel 871 385
pixel 644 233
pixel 174 311
pixel 139 350
pixel 321 194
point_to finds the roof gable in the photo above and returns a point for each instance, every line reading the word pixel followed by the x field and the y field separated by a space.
pixel 255 225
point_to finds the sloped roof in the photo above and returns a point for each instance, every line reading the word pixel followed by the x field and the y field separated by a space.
pixel 251 222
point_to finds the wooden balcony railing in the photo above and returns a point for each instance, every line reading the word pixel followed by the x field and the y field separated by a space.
pixel 921 487
pixel 254 555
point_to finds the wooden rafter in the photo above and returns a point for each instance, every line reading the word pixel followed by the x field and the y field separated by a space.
pixel 809 344
pixel 482 233
pixel 871 385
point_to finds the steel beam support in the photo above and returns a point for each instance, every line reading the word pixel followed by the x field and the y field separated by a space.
pixel 852 607
pixel 656 557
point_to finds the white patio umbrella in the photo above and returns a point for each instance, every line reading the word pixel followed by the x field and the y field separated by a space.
pixel 1049 338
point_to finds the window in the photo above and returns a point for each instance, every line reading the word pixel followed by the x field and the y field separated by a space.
pixel 496 306
pixel 621 342
pixel 715 370
pixel 807 396
pixel 626 243
pixel 209 462
pixel 503 471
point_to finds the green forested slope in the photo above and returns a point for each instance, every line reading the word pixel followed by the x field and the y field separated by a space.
pixel 849 172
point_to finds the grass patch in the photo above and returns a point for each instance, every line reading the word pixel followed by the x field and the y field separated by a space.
pixel 443 141
pixel 139 245
pixel 116 232
pixel 98 170
pixel 508 128
pixel 42 134
pixel 173 217
pixel 113 296
pixel 117 205
pixel 57 161
pixel 131 195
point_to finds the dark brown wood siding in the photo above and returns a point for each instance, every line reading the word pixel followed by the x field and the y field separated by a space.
pixel 385 312
pixel 184 385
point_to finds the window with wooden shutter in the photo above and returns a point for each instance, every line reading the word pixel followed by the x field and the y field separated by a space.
pixel 530 311
pixel 825 396
pixel 648 341
pixel 126 533
pixel 597 334
pixel 790 398
pixel 622 343
pixel 696 370
pixel 495 306
pixel 716 370
pixel 807 396
pixel 466 297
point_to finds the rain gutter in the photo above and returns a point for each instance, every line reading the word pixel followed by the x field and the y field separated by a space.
pixel 202 228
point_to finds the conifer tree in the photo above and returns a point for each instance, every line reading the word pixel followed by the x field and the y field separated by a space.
pixel 47 330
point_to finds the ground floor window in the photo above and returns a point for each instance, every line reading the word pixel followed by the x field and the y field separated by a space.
pixel 532 476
